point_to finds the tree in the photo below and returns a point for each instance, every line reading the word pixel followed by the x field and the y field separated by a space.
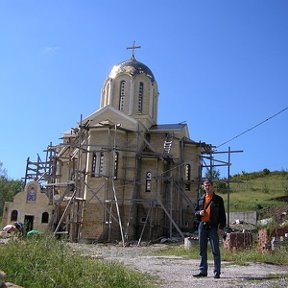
pixel 3 172
pixel 212 174
pixel 8 188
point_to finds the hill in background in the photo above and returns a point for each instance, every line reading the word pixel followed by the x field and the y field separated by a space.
pixel 264 192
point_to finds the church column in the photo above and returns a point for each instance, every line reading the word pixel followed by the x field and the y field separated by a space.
pixel 155 97
pixel 111 90
pixel 151 102
pixel 88 166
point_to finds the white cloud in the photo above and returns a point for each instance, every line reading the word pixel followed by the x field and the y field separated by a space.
pixel 50 49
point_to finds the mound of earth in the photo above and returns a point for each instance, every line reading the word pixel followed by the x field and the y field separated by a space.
pixel 280 214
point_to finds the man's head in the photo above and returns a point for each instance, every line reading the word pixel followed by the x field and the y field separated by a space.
pixel 208 186
pixel 208 181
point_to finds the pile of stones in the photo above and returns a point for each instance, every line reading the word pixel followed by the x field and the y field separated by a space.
pixel 4 284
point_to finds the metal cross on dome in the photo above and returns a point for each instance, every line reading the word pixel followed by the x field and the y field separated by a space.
pixel 133 47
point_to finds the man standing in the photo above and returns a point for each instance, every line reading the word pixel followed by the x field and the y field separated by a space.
pixel 210 211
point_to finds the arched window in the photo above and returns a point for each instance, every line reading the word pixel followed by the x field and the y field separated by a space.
pixel 14 215
pixel 97 164
pixel 187 177
pixel 140 97
pixel 148 181
pixel 45 217
pixel 101 166
pixel 122 95
pixel 93 168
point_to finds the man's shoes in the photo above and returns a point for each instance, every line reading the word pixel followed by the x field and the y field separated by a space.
pixel 200 275
pixel 216 275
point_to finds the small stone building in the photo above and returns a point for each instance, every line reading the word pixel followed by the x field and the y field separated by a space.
pixel 30 206
pixel 118 175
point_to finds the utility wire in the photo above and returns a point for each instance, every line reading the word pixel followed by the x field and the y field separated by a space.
pixel 274 115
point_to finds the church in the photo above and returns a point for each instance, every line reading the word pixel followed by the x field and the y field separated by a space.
pixel 119 175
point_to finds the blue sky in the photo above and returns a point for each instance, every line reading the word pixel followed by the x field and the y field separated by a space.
pixel 221 66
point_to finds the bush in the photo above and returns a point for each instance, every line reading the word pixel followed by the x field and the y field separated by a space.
pixel 266 171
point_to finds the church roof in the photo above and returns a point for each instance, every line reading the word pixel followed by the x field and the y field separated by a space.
pixel 131 67
pixel 180 129
pixel 167 127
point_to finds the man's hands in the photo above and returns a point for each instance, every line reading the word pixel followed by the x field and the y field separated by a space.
pixel 202 212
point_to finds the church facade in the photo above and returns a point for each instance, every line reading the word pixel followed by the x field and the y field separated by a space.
pixel 119 175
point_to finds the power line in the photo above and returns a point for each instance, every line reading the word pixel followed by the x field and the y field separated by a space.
pixel 274 115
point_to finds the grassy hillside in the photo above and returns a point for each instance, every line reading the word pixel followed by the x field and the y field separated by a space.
pixel 257 191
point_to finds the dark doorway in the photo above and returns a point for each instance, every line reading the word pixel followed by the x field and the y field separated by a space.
pixel 28 222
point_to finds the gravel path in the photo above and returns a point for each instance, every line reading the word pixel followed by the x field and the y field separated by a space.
pixel 176 272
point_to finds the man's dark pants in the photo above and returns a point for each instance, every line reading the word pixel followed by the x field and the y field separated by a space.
pixel 205 234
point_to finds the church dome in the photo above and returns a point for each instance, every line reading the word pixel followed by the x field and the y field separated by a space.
pixel 131 67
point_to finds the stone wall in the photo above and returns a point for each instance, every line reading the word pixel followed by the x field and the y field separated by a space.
pixel 238 240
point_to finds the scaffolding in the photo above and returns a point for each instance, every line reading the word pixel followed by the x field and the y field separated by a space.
pixel 213 163
pixel 70 203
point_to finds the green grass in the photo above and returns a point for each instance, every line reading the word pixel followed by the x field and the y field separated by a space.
pixel 46 262
pixel 241 257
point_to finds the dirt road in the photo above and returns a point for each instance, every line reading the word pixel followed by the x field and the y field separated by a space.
pixel 176 272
